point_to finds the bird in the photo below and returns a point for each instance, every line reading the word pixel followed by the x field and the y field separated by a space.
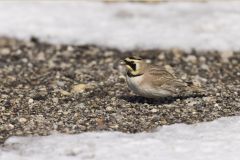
pixel 153 81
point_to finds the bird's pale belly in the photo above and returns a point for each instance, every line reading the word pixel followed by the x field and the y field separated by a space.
pixel 145 90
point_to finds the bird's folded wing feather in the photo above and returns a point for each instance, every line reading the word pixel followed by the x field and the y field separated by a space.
pixel 159 75
pixel 162 79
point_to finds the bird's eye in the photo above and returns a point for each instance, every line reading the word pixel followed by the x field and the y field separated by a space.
pixel 133 65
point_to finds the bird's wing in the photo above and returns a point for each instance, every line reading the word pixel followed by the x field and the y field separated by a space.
pixel 162 79
pixel 159 75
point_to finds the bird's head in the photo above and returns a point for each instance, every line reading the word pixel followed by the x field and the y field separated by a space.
pixel 134 65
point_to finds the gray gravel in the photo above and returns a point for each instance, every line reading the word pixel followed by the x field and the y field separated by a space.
pixel 73 89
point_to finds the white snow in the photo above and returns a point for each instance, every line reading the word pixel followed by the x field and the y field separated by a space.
pixel 203 26
pixel 217 140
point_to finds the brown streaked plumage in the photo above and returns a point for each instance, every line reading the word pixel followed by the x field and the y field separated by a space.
pixel 153 81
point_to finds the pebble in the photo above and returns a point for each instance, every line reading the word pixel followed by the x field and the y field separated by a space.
pixel 10 127
pixel 55 100
pixel 108 53
pixel 154 110
pixel 79 88
pixel 161 56
pixel 191 58
pixel 5 51
pixel 192 103
pixel 208 99
pixel 65 93
pixel 204 67
pixel 22 120
pixel 202 59
pixel 60 83
pixel 41 57
pixel 80 106
pixel 109 108
pixel 216 105
pixel 226 55
pixel 30 101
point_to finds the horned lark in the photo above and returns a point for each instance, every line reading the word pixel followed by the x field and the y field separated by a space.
pixel 152 81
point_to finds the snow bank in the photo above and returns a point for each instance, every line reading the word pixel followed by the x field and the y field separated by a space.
pixel 204 26
pixel 219 140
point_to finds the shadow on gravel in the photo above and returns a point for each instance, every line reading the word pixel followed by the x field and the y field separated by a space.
pixel 167 100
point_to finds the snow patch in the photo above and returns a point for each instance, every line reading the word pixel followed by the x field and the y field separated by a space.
pixel 219 140
pixel 203 26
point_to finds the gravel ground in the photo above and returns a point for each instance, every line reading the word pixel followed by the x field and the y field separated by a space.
pixel 73 89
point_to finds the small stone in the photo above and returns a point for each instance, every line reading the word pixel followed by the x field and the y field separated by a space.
pixel 177 110
pixel 70 48
pixel 122 78
pixel 208 99
pixel 148 61
pixel 24 60
pixel 204 67
pixel 41 56
pixel 65 112
pixel 161 56
pixel 22 120
pixel 216 105
pixel 5 51
pixel 100 123
pixel 154 110
pixel 108 53
pixel 80 106
pixel 192 103
pixel 55 100
pixel 4 96
pixel 114 126
pixel 60 83
pixel 177 53
pixel 79 88
pixel 202 59
pixel 109 108
pixel 226 55
pixel 163 121
pixel 82 128
pixel 30 101
pixel 191 58
pixel 10 126
pixel 65 93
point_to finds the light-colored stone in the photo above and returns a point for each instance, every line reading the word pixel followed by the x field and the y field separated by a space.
pixel 30 101
pixel 226 55
pixel 216 105
pixel 22 120
pixel 41 56
pixel 55 100
pixel 109 108
pixel 192 103
pixel 191 58
pixel 65 93
pixel 10 126
pixel 204 67
pixel 154 110
pixel 161 56
pixel 81 106
pixel 79 88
